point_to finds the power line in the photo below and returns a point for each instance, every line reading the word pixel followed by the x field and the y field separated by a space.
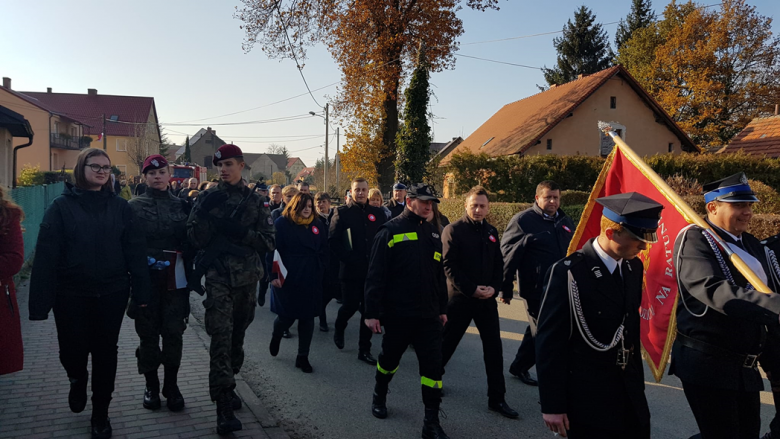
pixel 527 36
pixel 292 51
pixel 497 62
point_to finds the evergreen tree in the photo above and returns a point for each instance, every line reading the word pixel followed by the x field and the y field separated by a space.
pixel 582 49
pixel 414 136
pixel 640 17
pixel 186 156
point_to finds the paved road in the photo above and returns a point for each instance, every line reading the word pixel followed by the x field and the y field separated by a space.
pixel 334 401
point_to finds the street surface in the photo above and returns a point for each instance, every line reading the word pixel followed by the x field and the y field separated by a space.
pixel 334 402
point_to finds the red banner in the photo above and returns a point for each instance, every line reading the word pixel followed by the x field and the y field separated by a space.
pixel 659 294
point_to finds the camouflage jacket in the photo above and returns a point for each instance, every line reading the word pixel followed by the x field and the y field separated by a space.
pixel 163 219
pixel 235 270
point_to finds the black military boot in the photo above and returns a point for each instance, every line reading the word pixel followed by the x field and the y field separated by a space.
pixel 226 419
pixel 77 398
pixel 101 425
pixel 431 428
pixel 379 404
pixel 173 397
pixel 338 337
pixel 152 391
pixel 235 401
pixel 302 363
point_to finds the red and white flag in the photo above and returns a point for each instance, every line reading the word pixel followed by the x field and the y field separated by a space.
pixel 279 268
pixel 100 136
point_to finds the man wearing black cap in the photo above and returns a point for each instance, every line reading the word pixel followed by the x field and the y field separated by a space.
pixel 588 353
pixel 231 228
pixel 351 233
pixel 412 307
pixel 396 205
pixel 721 319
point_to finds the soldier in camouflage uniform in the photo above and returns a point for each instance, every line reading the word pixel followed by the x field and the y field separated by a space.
pixel 229 222
pixel 163 218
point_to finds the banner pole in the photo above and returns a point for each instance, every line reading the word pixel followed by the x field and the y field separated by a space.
pixel 686 210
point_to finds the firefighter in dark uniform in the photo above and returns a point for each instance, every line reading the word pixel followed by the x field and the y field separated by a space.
pixel 588 353
pixel 412 307
pixel 352 230
pixel 721 320
pixel 770 357
pixel 396 204
pixel 163 218
pixel 474 268
pixel 231 228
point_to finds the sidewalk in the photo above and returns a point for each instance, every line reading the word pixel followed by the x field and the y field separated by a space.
pixel 34 401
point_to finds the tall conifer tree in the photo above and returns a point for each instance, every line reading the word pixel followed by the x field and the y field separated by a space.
pixel 640 17
pixel 187 151
pixel 414 136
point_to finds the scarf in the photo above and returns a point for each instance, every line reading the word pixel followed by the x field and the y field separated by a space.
pixel 302 221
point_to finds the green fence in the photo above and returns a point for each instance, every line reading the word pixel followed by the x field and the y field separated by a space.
pixel 34 200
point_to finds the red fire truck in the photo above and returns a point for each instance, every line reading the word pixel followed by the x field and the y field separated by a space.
pixel 186 171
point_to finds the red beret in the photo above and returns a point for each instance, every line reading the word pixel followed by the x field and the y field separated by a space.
pixel 227 151
pixel 154 162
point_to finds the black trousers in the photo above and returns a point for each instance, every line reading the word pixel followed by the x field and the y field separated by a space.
pixel 305 331
pixel 724 414
pixel 460 312
pixel 353 295
pixel 90 325
pixel 425 334
pixel 526 353
pixel 770 362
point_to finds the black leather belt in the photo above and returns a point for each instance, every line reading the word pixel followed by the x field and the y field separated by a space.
pixel 748 360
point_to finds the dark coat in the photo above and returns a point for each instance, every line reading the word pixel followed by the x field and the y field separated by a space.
pixel 304 252
pixel 330 281
pixel 11 259
pixel 733 319
pixel 352 231
pixel 575 379
pixel 406 275
pixel 395 208
pixel 472 257
pixel 90 245
pixel 531 243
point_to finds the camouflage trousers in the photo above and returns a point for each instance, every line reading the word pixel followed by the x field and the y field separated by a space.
pixel 229 311
pixel 166 316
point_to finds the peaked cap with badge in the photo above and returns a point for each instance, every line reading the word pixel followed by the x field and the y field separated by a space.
pixel 227 151
pixel 422 191
pixel 398 186
pixel 732 189
pixel 635 212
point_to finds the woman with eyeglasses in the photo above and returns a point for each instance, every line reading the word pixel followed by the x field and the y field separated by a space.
pixel 163 218
pixel 90 252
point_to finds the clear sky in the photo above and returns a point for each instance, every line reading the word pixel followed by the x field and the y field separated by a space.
pixel 188 56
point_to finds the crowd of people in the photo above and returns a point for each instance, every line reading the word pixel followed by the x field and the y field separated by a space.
pixel 99 257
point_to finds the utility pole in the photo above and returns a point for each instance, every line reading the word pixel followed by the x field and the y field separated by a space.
pixel 104 132
pixel 337 163
pixel 325 170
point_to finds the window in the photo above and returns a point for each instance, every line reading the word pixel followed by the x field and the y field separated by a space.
pixel 613 102
pixel 74 132
pixel 121 144
pixel 671 147
pixel 56 128
pixel 207 162
pixel 113 118
pixel 549 144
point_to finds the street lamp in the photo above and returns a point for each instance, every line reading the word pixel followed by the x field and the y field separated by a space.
pixel 325 165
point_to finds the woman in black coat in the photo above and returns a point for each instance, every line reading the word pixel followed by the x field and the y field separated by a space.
pixel 302 244
pixel 89 253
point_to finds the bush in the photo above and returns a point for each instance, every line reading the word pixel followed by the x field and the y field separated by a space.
pixel 569 198
pixel 684 186
pixel 764 226
pixel 30 176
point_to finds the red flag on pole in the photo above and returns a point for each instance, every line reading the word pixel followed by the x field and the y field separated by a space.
pixel 659 295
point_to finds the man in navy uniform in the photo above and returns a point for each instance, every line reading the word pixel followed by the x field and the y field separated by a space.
pixel 588 353
pixel 721 320
pixel 396 205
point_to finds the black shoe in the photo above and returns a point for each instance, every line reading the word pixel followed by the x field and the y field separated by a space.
pixel 101 428
pixel 503 409
pixel 226 419
pixel 173 398
pixel 338 338
pixel 274 346
pixel 302 363
pixel 151 399
pixel 235 400
pixel 379 406
pixel 524 376
pixel 286 334
pixel 367 358
pixel 324 326
pixel 77 398
pixel 431 428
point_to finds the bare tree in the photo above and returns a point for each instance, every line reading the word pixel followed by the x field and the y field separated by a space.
pixel 144 142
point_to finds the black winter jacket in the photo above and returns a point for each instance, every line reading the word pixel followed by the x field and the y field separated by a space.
pixel 352 231
pixel 472 257
pixel 405 274
pixel 89 245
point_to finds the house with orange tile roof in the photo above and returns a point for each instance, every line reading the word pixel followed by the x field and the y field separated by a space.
pixel 760 137
pixel 295 165
pixel 563 120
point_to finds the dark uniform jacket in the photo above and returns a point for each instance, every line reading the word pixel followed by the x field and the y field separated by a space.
pixel 472 256
pixel 352 231
pixel 90 244
pixel 406 274
pixel 163 218
pixel 531 243
pixel 732 318
pixel 232 269
pixel 574 378
pixel 395 208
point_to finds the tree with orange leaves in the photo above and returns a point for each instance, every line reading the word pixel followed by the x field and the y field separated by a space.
pixel 374 43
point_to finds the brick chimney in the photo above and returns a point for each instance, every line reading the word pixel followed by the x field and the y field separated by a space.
pixel 48 89
pixel 7 83
pixel 92 92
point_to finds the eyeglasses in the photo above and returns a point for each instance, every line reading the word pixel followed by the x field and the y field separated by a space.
pixel 97 168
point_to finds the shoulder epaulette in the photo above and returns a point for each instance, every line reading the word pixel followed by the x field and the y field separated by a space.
pixel 771 240
pixel 573 259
